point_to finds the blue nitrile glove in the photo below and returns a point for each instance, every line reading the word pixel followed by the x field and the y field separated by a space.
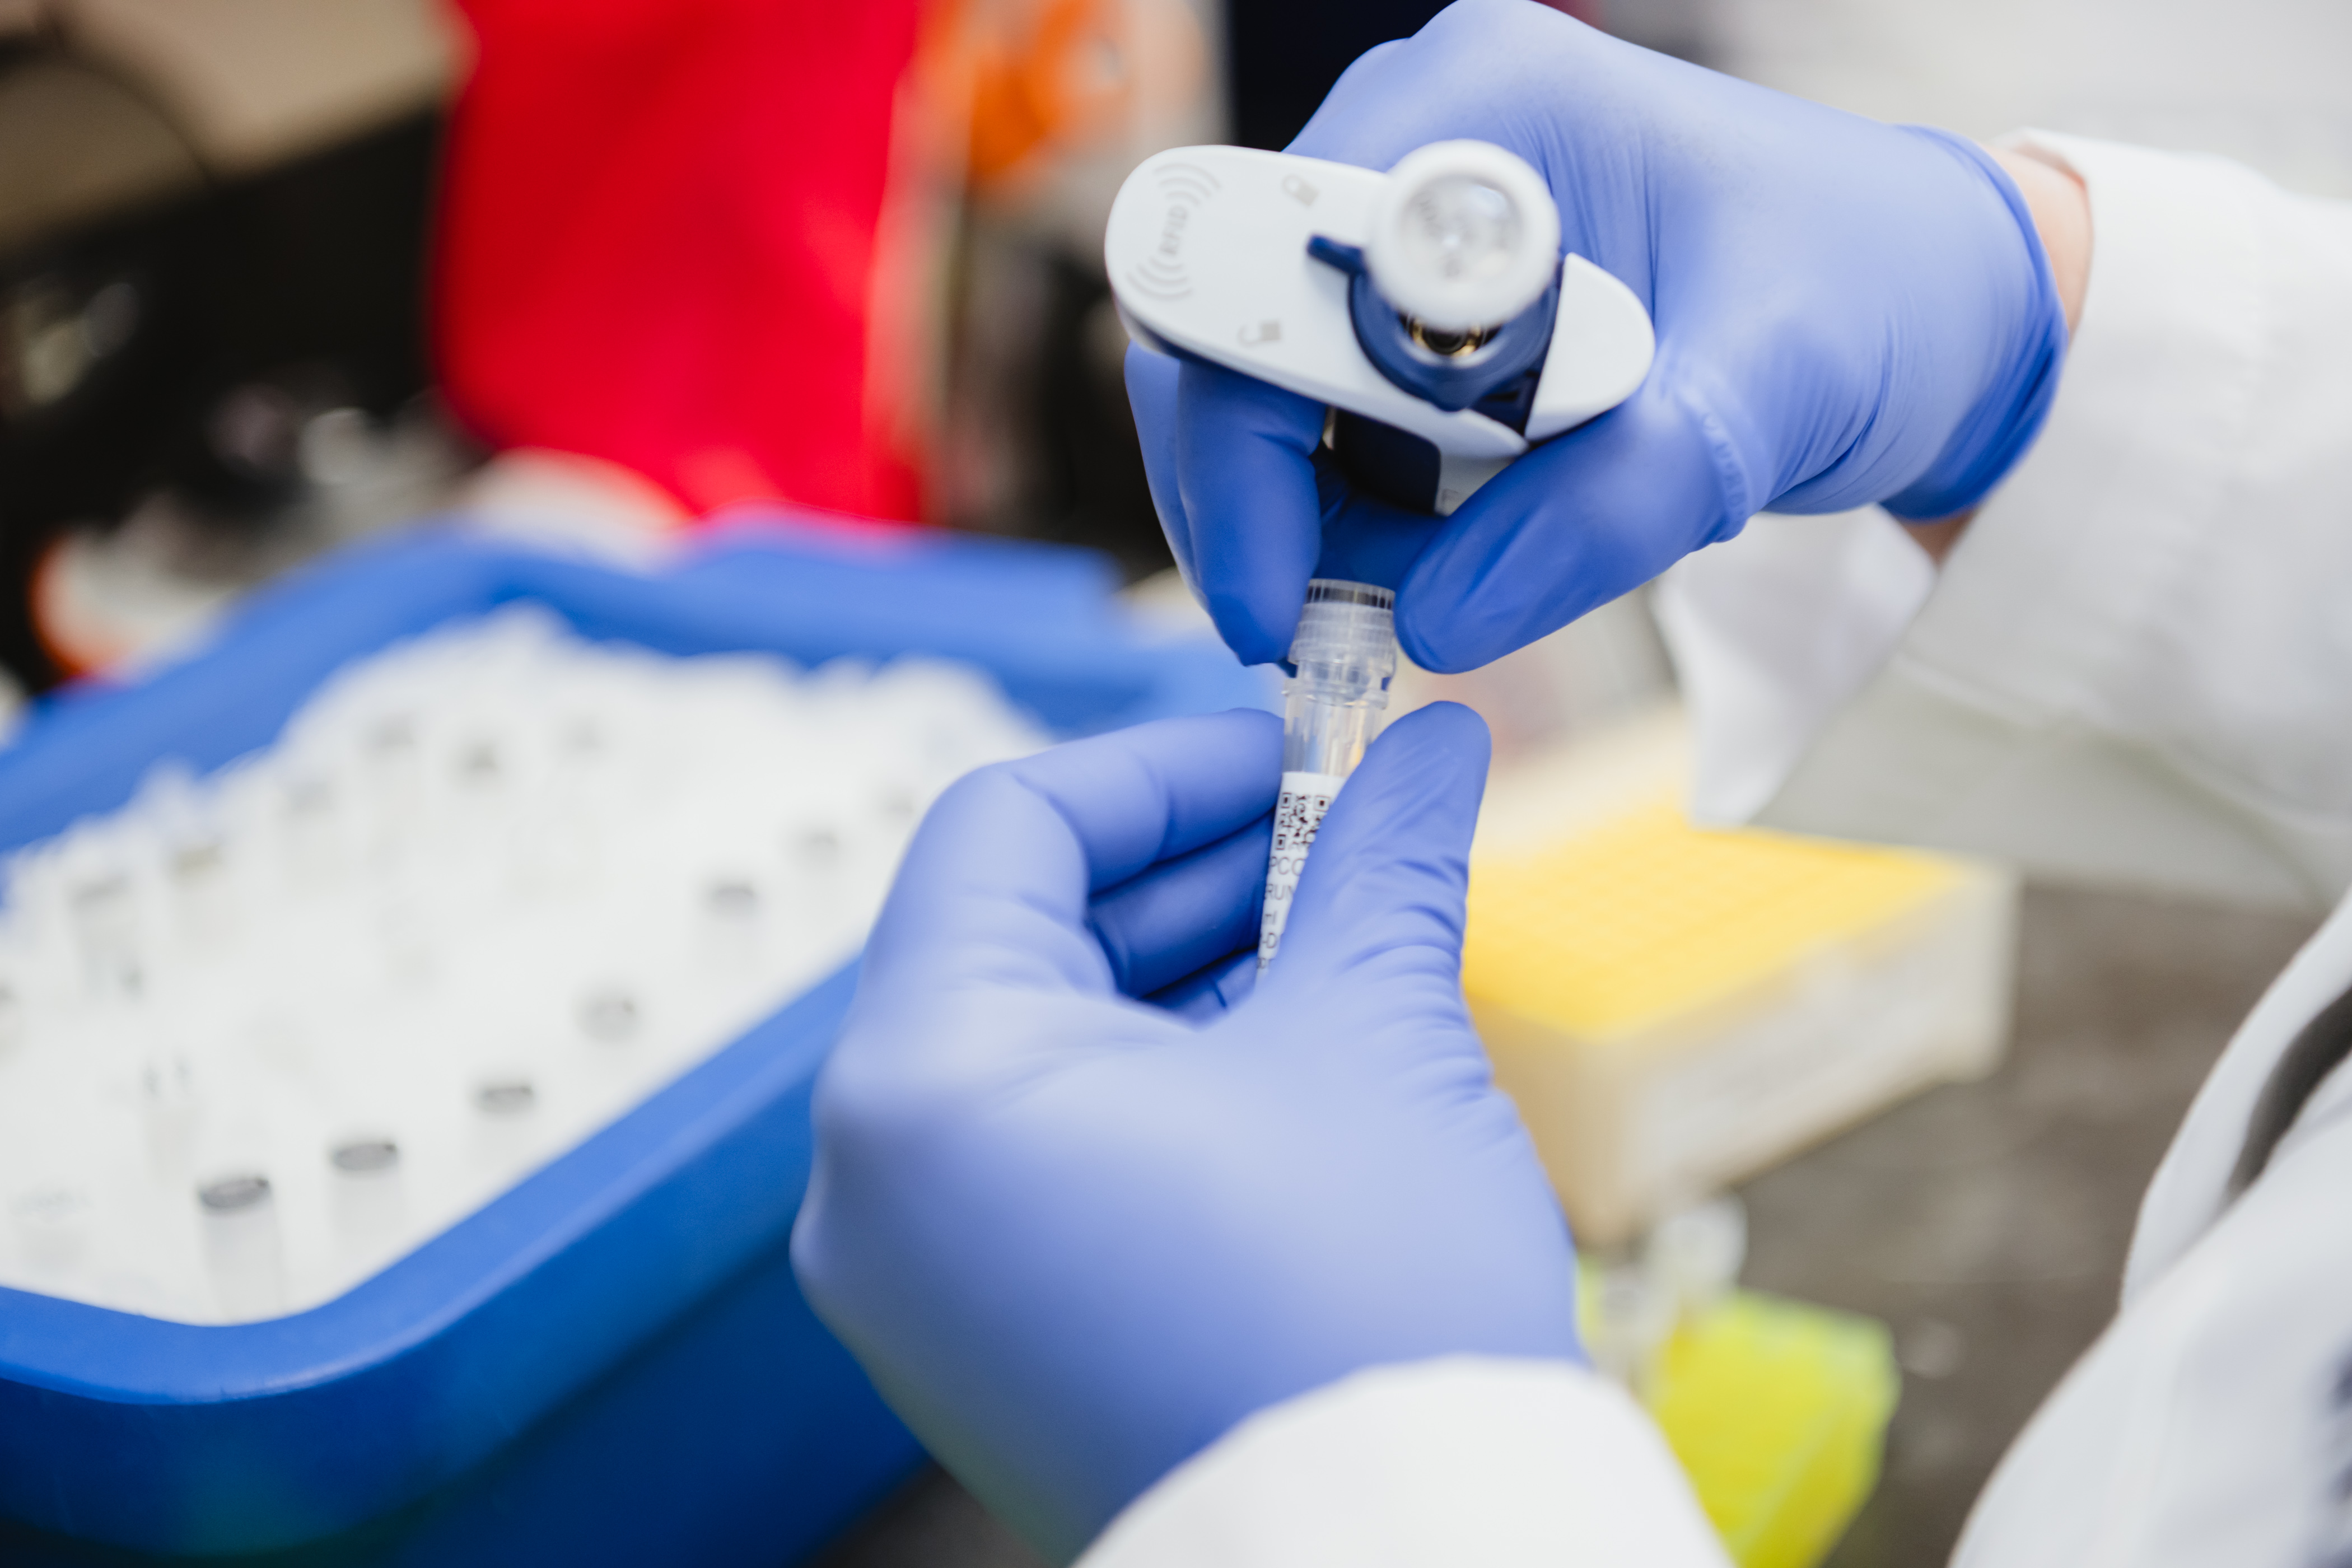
pixel 1075 1236
pixel 1847 312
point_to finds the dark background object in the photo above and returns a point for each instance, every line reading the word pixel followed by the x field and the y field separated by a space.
pixel 1282 58
pixel 1091 488
pixel 106 242
pixel 315 301
pixel 163 329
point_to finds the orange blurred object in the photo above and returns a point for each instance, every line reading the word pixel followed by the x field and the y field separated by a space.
pixel 1041 74
pixel 662 244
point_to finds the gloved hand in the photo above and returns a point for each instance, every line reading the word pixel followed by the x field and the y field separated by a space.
pixel 1847 312
pixel 1085 1196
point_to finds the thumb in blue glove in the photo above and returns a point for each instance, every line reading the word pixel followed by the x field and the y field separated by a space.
pixel 1087 1194
pixel 1847 312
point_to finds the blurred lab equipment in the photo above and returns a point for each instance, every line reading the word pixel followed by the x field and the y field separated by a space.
pixel 1776 1410
pixel 343 1267
pixel 1675 1008
pixel 1428 306
pixel 211 234
pixel 1018 370
pixel 664 243
pixel 465 854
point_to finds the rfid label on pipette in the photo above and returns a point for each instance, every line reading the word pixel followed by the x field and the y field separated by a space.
pixel 1297 815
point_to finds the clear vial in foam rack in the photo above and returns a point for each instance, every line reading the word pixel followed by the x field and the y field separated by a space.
pixel 268 1030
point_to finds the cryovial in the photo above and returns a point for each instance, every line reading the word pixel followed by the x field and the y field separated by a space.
pixel 731 923
pixel 1344 654
pixel 1696 1254
pixel 393 770
pixel 198 869
pixel 242 1251
pixel 480 766
pixel 610 1015
pixel 816 851
pixel 506 1097
pixel 170 1109
pixel 558 848
pixel 365 1199
pixel 505 1130
pixel 311 840
pixel 106 924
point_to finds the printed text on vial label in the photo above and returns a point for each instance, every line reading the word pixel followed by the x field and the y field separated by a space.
pixel 1297 816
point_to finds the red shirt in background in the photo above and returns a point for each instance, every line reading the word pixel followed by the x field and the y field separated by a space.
pixel 659 242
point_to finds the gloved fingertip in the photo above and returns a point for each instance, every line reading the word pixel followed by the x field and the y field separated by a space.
pixel 1250 629
pixel 1448 734
pixel 1433 642
pixel 1450 628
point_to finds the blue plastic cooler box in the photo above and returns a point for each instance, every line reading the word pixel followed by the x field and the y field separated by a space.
pixel 611 1362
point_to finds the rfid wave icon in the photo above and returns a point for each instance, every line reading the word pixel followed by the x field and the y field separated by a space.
pixel 1185 188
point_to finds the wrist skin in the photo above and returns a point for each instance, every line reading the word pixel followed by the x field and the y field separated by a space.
pixel 2062 217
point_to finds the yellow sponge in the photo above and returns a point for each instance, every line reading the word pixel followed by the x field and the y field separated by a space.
pixel 1647 917
pixel 1675 1008
pixel 1778 1411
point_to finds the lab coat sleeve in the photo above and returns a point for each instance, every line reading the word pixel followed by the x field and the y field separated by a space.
pixel 1469 1462
pixel 2137 667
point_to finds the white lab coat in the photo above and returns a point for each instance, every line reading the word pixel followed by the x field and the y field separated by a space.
pixel 2137 667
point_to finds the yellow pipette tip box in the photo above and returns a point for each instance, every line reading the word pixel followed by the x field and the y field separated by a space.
pixel 1675 1008
pixel 1778 1411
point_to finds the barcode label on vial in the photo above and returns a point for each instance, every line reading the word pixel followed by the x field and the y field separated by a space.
pixel 1296 816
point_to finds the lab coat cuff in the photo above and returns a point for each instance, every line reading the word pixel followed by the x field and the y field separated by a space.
pixel 2055 577
pixel 1464 1460
pixel 2016 714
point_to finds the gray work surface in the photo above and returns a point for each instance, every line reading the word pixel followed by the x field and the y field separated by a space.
pixel 1985 1222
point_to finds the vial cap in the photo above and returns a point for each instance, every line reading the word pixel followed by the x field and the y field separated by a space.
pixel 506 1097
pixel 1346 626
pixel 732 899
pixel 610 1015
pixel 234 1194
pixel 365 1156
